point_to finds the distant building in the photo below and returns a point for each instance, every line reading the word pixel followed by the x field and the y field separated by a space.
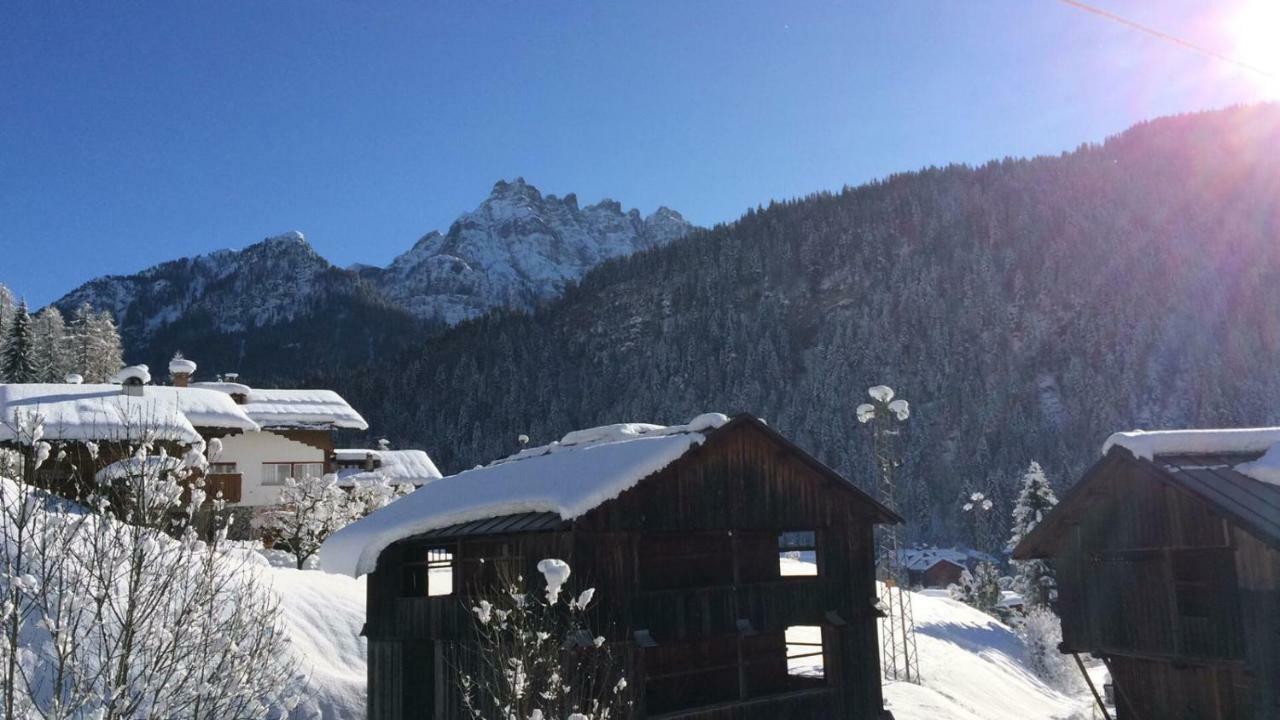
pixel 695 537
pixel 1167 554
pixel 933 567
pixel 356 465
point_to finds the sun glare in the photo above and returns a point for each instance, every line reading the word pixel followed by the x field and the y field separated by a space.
pixel 1256 29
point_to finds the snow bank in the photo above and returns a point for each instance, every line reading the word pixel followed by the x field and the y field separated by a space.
pixel 102 412
pixel 323 615
pixel 974 668
pixel 570 477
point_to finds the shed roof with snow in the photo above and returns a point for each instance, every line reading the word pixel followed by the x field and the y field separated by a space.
pixel 1237 471
pixel 565 480
pixel 100 412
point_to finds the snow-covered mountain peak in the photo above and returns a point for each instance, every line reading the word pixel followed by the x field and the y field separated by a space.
pixel 516 249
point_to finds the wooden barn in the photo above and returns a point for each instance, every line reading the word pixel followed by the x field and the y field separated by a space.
pixel 1168 564
pixel 715 545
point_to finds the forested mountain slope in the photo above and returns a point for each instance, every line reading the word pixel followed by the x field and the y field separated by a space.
pixel 262 310
pixel 1026 308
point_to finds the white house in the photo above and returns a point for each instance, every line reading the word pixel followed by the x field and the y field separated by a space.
pixel 267 435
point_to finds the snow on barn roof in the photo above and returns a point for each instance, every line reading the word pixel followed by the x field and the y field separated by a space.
pixel 398 466
pixel 583 470
pixel 1148 444
pixel 103 412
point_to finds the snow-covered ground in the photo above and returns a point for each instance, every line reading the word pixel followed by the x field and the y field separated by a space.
pixel 973 669
pixel 323 614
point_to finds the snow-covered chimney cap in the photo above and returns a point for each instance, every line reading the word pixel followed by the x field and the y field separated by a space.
pixel 181 366
pixel 74 379
pixel 136 373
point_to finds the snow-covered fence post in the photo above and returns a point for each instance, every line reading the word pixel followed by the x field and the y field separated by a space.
pixel 536 657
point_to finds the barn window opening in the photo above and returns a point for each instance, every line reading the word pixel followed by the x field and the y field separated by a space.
pixel 429 575
pixel 798 554
pixel 805 653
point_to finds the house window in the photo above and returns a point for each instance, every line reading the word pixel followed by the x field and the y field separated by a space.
pixel 222 468
pixel 798 554
pixel 430 574
pixel 275 473
pixel 805 658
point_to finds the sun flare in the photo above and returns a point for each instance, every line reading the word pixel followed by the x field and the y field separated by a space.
pixel 1256 30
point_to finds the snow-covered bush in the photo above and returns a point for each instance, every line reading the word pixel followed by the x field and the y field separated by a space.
pixel 537 657
pixel 310 509
pixel 368 496
pixel 107 619
pixel 979 588
pixel 1041 632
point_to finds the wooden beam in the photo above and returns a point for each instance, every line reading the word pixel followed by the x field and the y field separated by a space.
pixel 1102 705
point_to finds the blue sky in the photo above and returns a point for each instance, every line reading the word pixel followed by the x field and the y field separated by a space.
pixel 132 133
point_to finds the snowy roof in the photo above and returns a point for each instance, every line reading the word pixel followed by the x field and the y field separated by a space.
pixel 230 388
pixel 583 470
pixel 1235 470
pixel 925 558
pixel 275 408
pixel 413 466
pixel 302 408
pixel 1148 444
pixel 103 412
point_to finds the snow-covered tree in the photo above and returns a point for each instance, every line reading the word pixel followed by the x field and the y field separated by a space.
pixel 368 496
pixel 18 363
pixel 7 305
pixel 538 657
pixel 1041 632
pixel 979 588
pixel 1033 579
pixel 50 348
pixel 310 509
pixel 110 620
pixel 96 350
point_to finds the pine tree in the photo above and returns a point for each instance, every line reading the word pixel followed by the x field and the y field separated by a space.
pixel 51 350
pixel 1033 579
pixel 7 306
pixel 19 364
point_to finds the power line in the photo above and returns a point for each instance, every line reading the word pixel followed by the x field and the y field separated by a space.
pixel 1174 39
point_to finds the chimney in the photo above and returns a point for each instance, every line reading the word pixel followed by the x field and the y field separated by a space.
pixel 132 379
pixel 181 370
